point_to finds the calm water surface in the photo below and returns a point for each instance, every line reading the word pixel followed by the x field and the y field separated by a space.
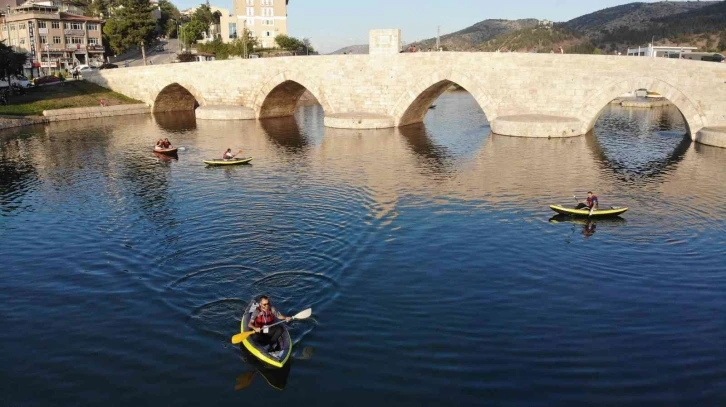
pixel 434 267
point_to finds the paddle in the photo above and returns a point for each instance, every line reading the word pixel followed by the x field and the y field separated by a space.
pixel 300 315
pixel 591 209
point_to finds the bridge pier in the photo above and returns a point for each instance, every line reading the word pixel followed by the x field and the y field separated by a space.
pixel 224 112
pixel 537 125
pixel 359 121
pixel 712 136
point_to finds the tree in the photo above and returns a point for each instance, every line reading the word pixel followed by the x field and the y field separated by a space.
pixel 204 15
pixel 169 17
pixel 131 25
pixel 193 31
pixel 11 62
pixel 288 43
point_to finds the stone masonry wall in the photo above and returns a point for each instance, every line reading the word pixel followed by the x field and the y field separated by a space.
pixel 504 84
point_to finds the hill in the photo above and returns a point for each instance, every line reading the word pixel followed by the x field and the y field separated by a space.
pixel 352 49
pixel 472 37
pixel 697 23
pixel 634 16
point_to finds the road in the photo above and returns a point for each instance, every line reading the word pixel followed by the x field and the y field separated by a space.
pixel 153 57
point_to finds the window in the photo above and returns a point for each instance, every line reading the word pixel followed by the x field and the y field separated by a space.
pixel 74 40
pixel 250 2
pixel 15 42
pixel 12 27
pixel 56 40
pixel 267 2
pixel 21 26
pixel 251 11
pixel 22 41
pixel 55 24
pixel 232 30
pixel 92 27
pixel 268 12
pixel 267 34
pixel 73 26
pixel 41 24
pixel 93 41
pixel 43 39
pixel 268 22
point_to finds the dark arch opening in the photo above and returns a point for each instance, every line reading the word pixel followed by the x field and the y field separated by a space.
pixel 424 102
pixel 637 140
pixel 283 99
pixel 174 98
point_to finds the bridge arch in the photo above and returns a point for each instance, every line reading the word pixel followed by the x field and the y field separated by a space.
pixel 694 118
pixel 175 97
pixel 411 107
pixel 278 96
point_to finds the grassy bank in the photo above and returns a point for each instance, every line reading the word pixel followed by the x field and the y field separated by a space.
pixel 65 95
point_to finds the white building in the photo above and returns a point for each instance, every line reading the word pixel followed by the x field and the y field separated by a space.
pixel 658 51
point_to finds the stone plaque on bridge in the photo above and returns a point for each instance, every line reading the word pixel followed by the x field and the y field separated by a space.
pixel 384 42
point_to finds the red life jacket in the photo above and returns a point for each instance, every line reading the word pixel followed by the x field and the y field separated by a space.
pixel 264 318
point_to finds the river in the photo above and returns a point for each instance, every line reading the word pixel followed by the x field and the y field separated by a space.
pixel 436 272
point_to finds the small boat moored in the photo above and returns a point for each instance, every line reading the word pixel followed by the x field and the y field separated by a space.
pixel 598 213
pixel 260 350
pixel 231 161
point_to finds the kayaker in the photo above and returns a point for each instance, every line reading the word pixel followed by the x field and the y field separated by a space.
pixel 265 314
pixel 167 143
pixel 159 144
pixel 590 203
pixel 228 154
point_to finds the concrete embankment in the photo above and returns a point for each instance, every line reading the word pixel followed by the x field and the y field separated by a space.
pixel 8 122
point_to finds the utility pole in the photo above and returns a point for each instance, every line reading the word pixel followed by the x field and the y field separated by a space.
pixel 438 39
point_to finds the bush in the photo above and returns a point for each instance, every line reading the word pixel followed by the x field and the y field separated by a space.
pixel 186 57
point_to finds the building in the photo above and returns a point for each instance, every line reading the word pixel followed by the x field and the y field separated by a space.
pixel 659 51
pixel 265 19
pixel 53 39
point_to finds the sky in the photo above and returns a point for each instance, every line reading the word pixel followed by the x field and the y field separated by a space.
pixel 333 24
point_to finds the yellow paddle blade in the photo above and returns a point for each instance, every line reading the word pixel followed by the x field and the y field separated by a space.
pixel 241 337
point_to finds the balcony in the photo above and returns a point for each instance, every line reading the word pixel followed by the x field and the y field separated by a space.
pixel 95 47
pixel 74 33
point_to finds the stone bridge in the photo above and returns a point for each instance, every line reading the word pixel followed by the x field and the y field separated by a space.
pixel 529 95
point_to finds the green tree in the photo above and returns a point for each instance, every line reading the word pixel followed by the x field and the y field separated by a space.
pixel 11 62
pixel 131 25
pixel 193 31
pixel 170 15
pixel 286 42
pixel 244 45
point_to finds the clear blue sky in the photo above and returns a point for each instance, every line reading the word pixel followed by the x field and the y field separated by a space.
pixel 333 24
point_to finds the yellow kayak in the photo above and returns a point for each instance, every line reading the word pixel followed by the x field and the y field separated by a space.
pixel 259 350
pixel 233 161
pixel 598 213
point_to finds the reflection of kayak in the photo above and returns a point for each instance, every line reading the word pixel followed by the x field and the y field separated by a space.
pixel 613 211
pixel 233 161
pixel 613 220
pixel 258 349
pixel 277 378
pixel 167 151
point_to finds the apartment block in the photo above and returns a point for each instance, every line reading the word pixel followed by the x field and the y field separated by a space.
pixel 265 19
pixel 53 39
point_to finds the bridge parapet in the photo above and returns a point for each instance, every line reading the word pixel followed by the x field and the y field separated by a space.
pixel 566 91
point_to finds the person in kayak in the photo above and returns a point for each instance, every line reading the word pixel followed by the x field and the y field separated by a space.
pixel 159 144
pixel 228 154
pixel 264 315
pixel 167 143
pixel 590 203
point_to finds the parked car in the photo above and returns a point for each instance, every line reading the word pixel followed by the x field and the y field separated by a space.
pixel 18 80
pixel 160 48
pixel 108 66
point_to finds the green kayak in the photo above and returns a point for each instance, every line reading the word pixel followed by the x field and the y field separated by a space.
pixel 598 213
pixel 233 161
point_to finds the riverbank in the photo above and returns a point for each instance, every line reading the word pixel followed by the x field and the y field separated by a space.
pixel 69 94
